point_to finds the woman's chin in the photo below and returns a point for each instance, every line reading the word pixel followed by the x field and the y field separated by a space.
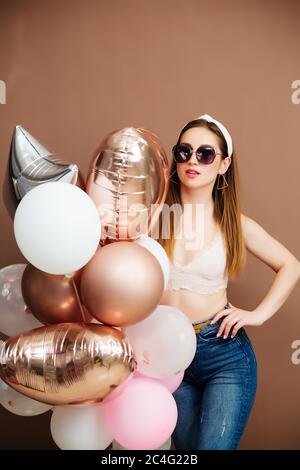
pixel 191 182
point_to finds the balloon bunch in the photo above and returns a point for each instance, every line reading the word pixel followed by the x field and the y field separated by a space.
pixel 87 337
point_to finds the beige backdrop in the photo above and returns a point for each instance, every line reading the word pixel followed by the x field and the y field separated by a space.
pixel 74 70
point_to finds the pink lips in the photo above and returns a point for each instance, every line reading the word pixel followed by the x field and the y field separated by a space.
pixel 192 173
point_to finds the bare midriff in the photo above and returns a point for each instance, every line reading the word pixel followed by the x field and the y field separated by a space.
pixel 197 307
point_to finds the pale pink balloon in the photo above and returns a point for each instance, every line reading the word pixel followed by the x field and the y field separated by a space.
pixel 143 416
pixel 171 383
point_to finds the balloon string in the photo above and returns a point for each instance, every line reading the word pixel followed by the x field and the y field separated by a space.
pixel 79 301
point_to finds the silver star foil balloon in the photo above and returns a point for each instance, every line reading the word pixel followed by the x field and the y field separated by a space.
pixel 127 180
pixel 32 164
pixel 67 363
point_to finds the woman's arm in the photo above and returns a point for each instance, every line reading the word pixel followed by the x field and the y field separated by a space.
pixel 287 267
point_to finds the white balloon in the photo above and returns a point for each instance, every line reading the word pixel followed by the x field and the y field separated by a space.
pixel 57 227
pixel 18 404
pixel 164 343
pixel 15 317
pixel 165 446
pixel 80 427
pixel 160 254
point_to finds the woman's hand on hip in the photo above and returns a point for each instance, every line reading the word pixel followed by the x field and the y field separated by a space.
pixel 235 318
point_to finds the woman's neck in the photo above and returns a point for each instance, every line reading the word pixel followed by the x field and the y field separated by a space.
pixel 197 196
pixel 198 212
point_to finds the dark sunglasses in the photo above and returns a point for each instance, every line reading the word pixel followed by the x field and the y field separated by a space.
pixel 205 153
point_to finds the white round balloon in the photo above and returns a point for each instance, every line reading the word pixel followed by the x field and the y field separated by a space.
pixel 164 343
pixel 160 254
pixel 80 427
pixel 57 227
pixel 19 404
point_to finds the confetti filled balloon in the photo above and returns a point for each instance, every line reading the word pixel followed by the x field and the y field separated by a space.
pixel 18 404
pixel 15 316
pixel 164 343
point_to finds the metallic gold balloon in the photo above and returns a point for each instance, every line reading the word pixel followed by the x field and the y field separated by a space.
pixel 122 284
pixel 52 298
pixel 128 181
pixel 67 363
pixel 32 164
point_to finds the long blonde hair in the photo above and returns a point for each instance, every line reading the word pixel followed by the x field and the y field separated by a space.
pixel 227 211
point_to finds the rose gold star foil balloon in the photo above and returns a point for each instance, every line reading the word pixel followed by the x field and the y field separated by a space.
pixel 128 181
pixel 67 363
pixel 122 284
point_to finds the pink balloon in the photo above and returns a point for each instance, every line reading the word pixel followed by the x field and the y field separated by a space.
pixel 171 383
pixel 143 416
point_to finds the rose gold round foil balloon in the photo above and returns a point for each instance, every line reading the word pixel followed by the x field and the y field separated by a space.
pixel 67 363
pixel 122 284
pixel 127 180
pixel 53 298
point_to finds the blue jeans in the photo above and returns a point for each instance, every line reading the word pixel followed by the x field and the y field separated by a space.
pixel 217 393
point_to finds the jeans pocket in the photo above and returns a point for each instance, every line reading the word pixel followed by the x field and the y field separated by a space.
pixel 248 340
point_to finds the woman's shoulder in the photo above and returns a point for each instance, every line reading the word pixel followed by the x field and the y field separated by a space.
pixel 247 224
pixel 263 245
pixel 250 227
pixel 244 219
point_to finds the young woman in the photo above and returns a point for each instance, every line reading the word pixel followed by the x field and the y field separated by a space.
pixel 218 390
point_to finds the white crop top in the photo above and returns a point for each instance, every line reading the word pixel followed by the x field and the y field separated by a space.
pixel 205 274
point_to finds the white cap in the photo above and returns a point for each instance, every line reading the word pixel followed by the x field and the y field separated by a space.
pixel 222 128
